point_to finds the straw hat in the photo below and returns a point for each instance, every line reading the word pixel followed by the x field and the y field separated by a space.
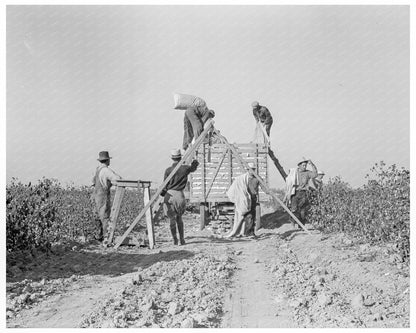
pixel 175 153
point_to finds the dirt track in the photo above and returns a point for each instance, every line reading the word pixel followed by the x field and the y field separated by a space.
pixel 285 278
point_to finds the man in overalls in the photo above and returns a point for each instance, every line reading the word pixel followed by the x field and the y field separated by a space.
pixel 101 194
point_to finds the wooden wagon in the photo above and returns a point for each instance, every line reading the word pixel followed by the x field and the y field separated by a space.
pixel 218 168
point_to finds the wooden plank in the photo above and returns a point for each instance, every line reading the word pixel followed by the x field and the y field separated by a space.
pixel 230 168
pixel 213 166
pixel 149 219
pixel 131 183
pixel 188 154
pixel 203 174
pixel 216 172
pixel 115 210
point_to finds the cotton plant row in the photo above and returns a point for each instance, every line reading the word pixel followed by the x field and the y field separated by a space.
pixel 378 212
pixel 40 215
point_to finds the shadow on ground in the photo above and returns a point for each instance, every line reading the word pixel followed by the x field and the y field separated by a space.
pixel 92 261
pixel 275 220
pixel 210 239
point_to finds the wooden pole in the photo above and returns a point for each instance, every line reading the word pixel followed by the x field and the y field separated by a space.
pixel 277 164
pixel 149 220
pixel 188 153
pixel 272 155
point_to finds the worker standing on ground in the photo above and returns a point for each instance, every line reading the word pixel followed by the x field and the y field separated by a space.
pixel 243 193
pixel 315 184
pixel 253 190
pixel 174 198
pixel 262 116
pixel 194 121
pixel 299 202
pixel 101 194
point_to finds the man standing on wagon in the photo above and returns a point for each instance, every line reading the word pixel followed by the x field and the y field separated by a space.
pixel 101 194
pixel 262 116
pixel 174 198
pixel 193 123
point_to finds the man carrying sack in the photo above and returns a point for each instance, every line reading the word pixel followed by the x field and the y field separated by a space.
pixel 193 123
pixel 174 203
pixel 102 182
pixel 243 193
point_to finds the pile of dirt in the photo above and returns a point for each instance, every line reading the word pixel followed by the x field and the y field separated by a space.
pixel 186 293
pixel 27 293
pixel 337 288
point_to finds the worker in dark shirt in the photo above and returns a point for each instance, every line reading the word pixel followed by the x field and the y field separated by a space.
pixel 253 190
pixel 174 203
pixel 262 115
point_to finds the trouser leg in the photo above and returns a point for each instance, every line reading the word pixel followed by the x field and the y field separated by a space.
pixel 268 127
pixel 179 222
pixel 294 207
pixel 252 216
pixel 103 208
pixel 187 132
pixel 99 227
pixel 173 230
pixel 197 126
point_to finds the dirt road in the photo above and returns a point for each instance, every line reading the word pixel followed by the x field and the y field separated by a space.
pixel 284 278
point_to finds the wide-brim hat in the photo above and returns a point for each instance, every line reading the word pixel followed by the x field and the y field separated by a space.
pixel 103 156
pixel 175 153
pixel 251 165
pixel 321 172
pixel 303 161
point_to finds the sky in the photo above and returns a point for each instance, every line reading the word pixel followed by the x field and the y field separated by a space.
pixel 82 79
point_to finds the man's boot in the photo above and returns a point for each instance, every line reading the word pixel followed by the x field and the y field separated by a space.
pixel 180 229
pixel 173 232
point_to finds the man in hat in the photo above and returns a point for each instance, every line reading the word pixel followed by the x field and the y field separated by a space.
pixel 102 182
pixel 253 190
pixel 243 193
pixel 315 184
pixel 193 123
pixel 174 199
pixel 299 200
pixel 262 115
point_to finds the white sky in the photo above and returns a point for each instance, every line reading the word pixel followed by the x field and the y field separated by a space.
pixel 81 79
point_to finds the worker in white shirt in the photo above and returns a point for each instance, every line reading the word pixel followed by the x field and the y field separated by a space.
pixel 102 184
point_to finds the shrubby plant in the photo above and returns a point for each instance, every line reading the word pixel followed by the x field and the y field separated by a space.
pixel 377 212
pixel 37 216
